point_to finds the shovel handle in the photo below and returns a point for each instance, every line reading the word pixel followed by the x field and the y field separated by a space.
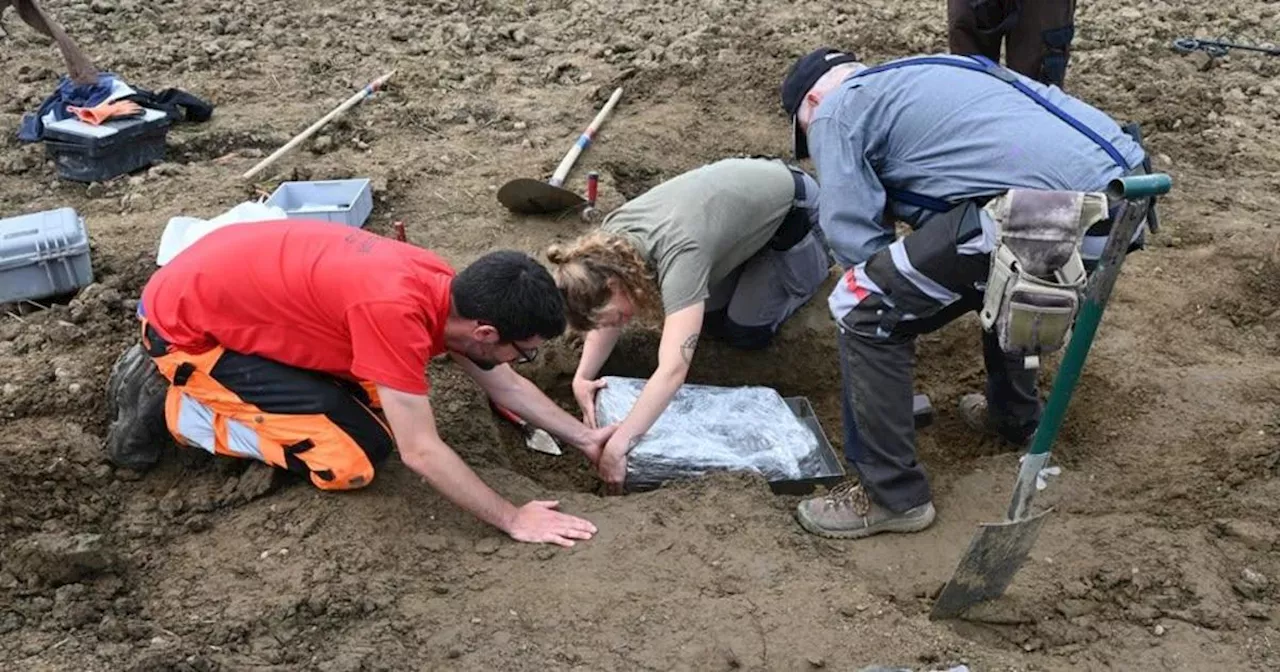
pixel 1097 293
pixel 584 140
pixel 1140 186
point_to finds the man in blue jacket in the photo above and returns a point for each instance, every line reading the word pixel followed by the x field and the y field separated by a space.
pixel 928 142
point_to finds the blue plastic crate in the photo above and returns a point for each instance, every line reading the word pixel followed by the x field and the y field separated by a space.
pixel 344 201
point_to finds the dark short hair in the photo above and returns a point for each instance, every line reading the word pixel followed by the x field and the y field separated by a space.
pixel 513 292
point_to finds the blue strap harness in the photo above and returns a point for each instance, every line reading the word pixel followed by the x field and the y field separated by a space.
pixel 985 65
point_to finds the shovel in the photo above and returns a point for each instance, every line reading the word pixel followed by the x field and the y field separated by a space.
pixel 533 197
pixel 998 550
pixel 535 439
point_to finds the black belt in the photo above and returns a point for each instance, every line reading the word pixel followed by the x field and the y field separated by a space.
pixel 796 223
pixel 800 192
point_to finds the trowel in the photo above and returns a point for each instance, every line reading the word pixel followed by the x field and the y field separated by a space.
pixel 536 439
pixel 531 197
pixel 998 550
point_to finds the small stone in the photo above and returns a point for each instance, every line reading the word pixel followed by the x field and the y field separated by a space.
pixel 849 610
pixel 74 388
pixel 487 546
pixel 433 542
pixel 9 389
pixel 101 7
pixel 59 559
pixel 544 554
pixel 264 555
pixel 475 620
pixel 817 662
pixel 1256 535
pixel 1252 584
pixel 1201 61
pixel 94 190
pixel 166 170
pixel 1257 610
pixel 322 144
pixel 1158 631
pixel 1072 608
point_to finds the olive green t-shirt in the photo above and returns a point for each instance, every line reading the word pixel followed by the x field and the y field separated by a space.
pixel 699 226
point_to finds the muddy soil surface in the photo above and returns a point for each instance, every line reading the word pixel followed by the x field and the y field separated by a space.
pixel 1161 553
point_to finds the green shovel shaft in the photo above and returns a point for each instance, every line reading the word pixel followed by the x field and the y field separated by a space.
pixel 1064 384
pixel 1095 300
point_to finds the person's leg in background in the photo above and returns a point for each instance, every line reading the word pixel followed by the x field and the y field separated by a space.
pixel 1039 46
pixel 976 27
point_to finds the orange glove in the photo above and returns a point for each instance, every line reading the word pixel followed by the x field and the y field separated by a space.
pixel 104 111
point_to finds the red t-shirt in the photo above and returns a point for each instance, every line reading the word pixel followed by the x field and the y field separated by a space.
pixel 315 295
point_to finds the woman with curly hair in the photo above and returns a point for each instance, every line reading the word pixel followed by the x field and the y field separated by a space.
pixel 731 248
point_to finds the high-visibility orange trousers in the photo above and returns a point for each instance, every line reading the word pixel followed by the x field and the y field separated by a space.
pixel 250 407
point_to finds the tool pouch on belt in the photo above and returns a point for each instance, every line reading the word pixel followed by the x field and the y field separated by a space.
pixel 1037 277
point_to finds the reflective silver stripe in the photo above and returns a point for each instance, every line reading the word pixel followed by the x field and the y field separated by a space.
pixel 923 283
pixel 843 300
pixel 243 440
pixel 983 244
pixel 195 423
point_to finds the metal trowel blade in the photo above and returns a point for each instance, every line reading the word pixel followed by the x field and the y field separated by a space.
pixel 543 442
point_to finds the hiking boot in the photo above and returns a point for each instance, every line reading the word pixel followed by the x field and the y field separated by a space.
pixel 135 395
pixel 848 513
pixel 973 410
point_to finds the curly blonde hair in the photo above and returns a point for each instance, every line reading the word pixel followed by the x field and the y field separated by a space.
pixel 584 267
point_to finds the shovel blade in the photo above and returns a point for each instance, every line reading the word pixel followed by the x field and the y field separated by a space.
pixel 532 197
pixel 995 555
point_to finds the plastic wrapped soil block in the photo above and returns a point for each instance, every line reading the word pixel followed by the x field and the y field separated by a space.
pixel 708 428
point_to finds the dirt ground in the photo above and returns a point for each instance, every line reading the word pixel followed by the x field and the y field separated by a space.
pixel 1162 550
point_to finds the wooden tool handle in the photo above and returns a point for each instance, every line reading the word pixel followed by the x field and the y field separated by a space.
pixel 584 140
pixel 356 97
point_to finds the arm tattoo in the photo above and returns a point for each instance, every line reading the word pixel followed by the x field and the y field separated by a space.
pixel 690 344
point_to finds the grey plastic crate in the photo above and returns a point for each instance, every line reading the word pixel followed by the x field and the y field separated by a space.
pixel 344 201
pixel 43 254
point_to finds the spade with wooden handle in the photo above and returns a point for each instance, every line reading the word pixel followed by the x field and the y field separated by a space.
pixel 533 197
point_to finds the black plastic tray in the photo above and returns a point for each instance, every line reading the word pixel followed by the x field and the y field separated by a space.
pixel 832 470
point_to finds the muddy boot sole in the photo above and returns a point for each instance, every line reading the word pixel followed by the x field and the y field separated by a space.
pixel 135 394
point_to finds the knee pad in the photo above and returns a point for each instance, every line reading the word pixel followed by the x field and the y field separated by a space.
pixel 1053 67
pixel 747 338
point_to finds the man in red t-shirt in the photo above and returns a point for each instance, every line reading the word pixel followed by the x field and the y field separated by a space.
pixel 279 341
